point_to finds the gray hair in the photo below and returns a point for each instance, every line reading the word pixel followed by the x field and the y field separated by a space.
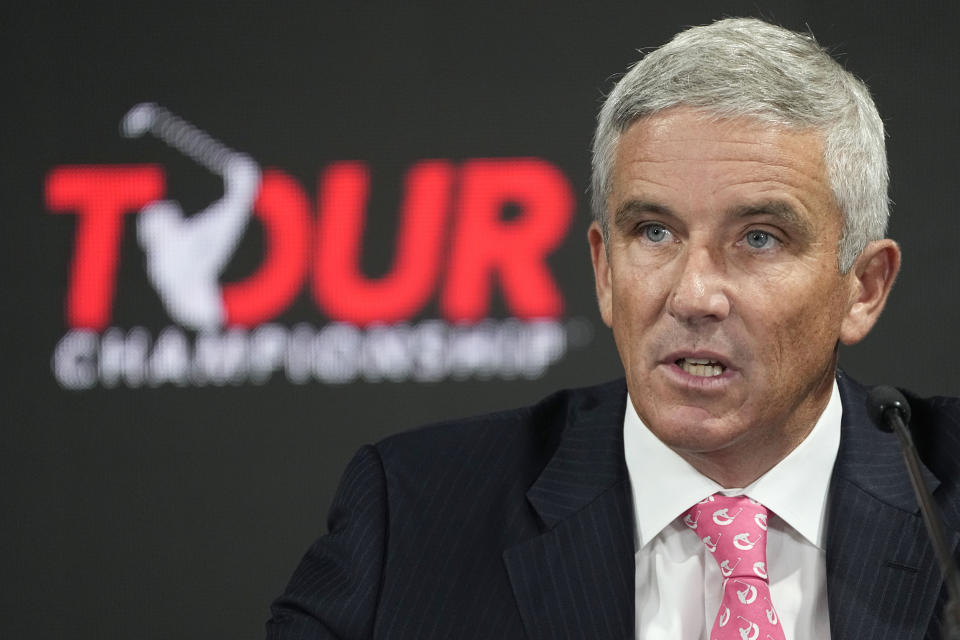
pixel 746 67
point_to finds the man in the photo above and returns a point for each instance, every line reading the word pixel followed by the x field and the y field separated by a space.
pixel 739 186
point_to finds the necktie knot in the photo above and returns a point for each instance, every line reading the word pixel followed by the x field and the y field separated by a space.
pixel 734 531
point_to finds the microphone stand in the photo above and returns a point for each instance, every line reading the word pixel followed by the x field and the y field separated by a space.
pixel 890 411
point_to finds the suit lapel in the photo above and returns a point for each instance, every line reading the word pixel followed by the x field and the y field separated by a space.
pixel 882 576
pixel 576 579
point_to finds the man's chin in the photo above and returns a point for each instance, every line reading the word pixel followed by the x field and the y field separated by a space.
pixel 696 430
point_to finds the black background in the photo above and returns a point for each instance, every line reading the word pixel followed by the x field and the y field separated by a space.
pixel 181 512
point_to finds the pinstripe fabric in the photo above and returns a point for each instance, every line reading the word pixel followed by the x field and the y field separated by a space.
pixel 433 534
pixel 576 580
pixel 519 525
pixel 333 593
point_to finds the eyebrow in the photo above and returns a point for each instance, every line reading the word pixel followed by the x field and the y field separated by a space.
pixel 777 209
pixel 633 208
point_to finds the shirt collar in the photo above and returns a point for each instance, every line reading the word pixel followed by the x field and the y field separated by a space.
pixel 652 466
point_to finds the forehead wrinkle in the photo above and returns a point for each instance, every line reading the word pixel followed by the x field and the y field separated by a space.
pixel 657 147
pixel 635 174
pixel 783 171
pixel 761 139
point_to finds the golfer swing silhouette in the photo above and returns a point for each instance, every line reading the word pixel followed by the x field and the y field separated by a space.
pixel 186 254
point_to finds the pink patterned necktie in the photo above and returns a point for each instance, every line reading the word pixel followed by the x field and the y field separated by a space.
pixel 734 530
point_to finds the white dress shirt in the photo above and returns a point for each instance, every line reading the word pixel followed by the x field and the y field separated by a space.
pixel 678 583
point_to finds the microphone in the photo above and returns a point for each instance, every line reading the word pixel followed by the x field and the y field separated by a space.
pixel 890 411
pixel 882 399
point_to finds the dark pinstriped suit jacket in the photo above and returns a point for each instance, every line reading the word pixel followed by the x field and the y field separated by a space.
pixel 519 525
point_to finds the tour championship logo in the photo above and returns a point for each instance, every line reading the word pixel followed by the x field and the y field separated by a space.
pixel 453 245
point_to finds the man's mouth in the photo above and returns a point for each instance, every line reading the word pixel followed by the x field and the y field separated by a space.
pixel 701 367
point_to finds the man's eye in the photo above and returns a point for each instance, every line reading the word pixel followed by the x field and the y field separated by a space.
pixel 760 239
pixel 654 232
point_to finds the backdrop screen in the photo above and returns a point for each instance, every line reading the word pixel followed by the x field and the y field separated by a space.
pixel 241 240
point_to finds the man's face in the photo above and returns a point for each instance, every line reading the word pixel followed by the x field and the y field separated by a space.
pixel 721 284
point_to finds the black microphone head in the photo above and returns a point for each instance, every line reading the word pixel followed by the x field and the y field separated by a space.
pixel 883 398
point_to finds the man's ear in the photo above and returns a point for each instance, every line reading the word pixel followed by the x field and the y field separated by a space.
pixel 601 273
pixel 872 277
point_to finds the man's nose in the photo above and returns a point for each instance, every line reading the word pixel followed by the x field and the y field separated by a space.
pixel 700 289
